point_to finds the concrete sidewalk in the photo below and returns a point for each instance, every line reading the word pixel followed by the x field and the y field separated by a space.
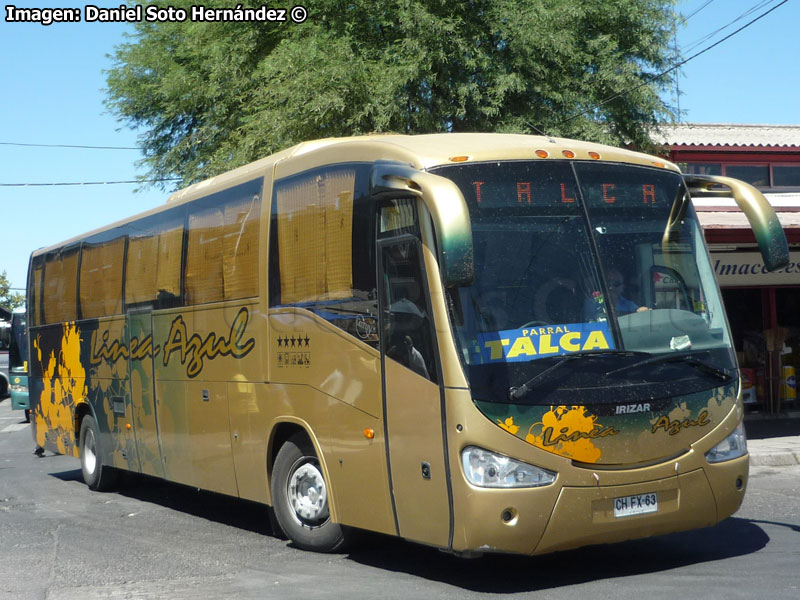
pixel 773 441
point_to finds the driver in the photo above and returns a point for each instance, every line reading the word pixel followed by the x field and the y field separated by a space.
pixel 616 286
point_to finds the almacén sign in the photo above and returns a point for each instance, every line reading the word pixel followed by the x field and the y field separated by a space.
pixel 516 345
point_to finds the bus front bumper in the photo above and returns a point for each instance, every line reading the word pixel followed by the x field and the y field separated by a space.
pixel 542 520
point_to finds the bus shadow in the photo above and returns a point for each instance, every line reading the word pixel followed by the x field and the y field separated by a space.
pixel 72 475
pixel 499 573
pixel 219 508
pixel 496 573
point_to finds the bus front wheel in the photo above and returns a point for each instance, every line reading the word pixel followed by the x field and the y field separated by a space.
pixel 300 498
pixel 99 477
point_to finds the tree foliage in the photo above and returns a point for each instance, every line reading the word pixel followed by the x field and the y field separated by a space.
pixel 9 299
pixel 212 96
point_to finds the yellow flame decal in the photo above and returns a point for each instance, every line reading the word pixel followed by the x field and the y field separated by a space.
pixel 508 425
pixel 569 431
pixel 64 387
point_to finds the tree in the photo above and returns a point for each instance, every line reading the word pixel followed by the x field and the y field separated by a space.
pixel 7 298
pixel 212 96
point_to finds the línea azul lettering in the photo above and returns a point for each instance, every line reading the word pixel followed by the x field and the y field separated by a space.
pixel 549 439
pixel 674 426
pixel 114 350
pixel 194 350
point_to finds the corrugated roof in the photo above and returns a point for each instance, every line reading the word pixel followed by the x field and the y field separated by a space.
pixel 727 134
pixel 738 220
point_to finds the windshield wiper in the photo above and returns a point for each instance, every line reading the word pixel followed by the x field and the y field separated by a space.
pixel 720 373
pixel 516 393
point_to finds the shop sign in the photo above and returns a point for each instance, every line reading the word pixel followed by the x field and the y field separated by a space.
pixel 734 269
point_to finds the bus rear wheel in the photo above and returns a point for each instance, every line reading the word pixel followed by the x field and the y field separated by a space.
pixel 300 498
pixel 99 477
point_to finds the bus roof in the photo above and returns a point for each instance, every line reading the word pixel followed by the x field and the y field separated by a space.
pixel 421 151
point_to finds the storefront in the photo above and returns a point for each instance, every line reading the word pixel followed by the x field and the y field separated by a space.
pixel 763 308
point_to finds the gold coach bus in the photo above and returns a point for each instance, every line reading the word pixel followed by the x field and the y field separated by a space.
pixel 479 342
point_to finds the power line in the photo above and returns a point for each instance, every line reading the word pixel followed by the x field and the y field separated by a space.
pixel 650 79
pixel 756 7
pixel 89 182
pixel 686 18
pixel 69 146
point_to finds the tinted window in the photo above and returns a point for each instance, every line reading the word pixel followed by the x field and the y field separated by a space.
pixel 101 278
pixel 322 242
pixel 222 245
pixel 60 286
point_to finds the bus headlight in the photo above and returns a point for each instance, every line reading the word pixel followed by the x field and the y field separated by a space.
pixel 733 446
pixel 18 389
pixel 488 469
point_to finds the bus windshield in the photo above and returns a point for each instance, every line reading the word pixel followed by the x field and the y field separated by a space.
pixel 588 277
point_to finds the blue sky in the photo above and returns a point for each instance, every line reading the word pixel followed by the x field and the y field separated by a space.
pixel 51 92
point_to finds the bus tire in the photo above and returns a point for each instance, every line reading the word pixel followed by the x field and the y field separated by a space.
pixel 98 477
pixel 300 498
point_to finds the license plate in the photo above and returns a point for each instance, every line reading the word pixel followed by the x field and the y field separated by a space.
pixel 639 504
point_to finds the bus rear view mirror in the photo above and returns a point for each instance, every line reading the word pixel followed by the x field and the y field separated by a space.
pixel 763 220
pixel 448 210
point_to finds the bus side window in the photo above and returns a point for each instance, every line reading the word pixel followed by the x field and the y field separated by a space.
pixel 101 278
pixel 153 274
pixel 222 246
pixel 35 303
pixel 60 286
pixel 321 248
pixel 204 257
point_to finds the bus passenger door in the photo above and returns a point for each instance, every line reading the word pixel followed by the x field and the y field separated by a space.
pixel 142 392
pixel 413 408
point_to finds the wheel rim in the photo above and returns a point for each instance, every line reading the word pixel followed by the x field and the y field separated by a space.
pixel 307 493
pixel 89 453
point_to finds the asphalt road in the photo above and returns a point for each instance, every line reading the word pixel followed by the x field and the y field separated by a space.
pixel 59 541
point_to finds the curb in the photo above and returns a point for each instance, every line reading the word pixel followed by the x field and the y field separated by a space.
pixel 775 459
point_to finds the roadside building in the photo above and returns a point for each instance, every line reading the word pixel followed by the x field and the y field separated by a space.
pixel 763 308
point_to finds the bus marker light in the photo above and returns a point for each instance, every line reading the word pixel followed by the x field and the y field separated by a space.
pixel 459 158
pixel 542 153
pixel 594 155
pixel 568 153
pixel 128 426
pixel 369 433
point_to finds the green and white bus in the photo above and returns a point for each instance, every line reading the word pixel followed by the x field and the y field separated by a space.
pixel 18 361
pixel 479 342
